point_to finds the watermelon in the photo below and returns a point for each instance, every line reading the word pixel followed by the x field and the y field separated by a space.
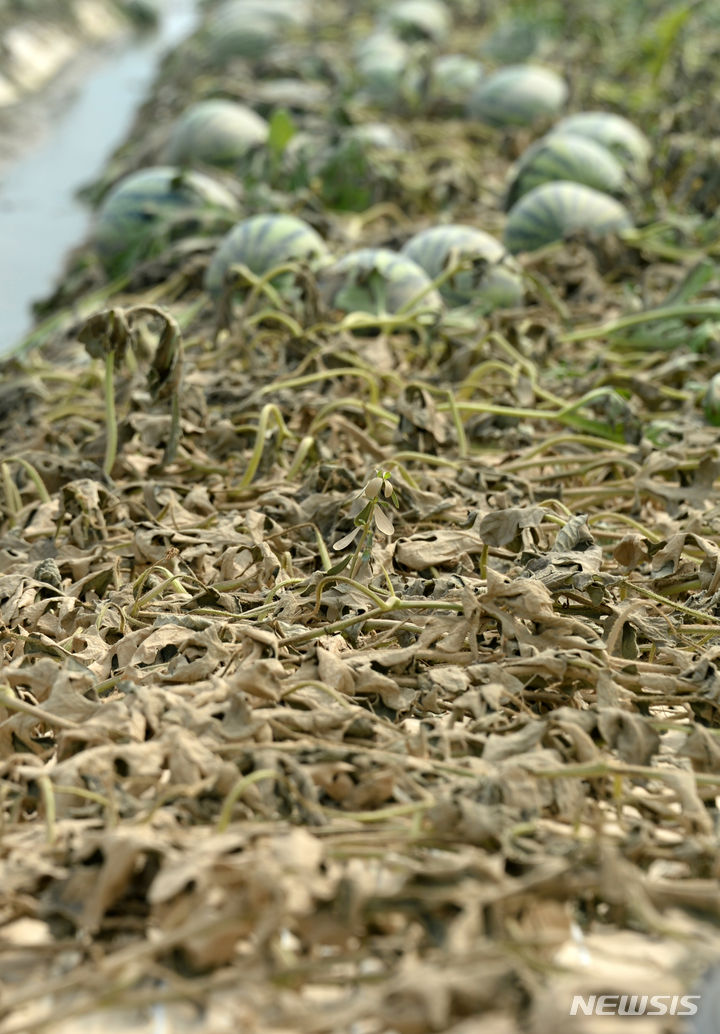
pixel 380 282
pixel 553 210
pixel 382 64
pixel 376 136
pixel 245 29
pixel 262 243
pixel 286 14
pixel 453 77
pixel 496 283
pixel 512 41
pixel 136 219
pixel 518 95
pixel 628 143
pixel 215 132
pixel 295 95
pixel 418 20
pixel 565 156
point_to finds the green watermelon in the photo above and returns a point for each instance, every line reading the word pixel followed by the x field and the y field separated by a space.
pixel 295 95
pixel 136 218
pixel 376 136
pixel 496 283
pixel 453 77
pixel 512 41
pixel 565 156
pixel 628 143
pixel 215 132
pixel 553 210
pixel 418 20
pixel 383 63
pixel 380 282
pixel 285 14
pixel 243 29
pixel 518 95
pixel 262 243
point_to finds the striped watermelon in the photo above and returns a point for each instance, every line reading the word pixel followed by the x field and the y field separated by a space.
pixel 418 20
pixel 136 218
pixel 377 136
pixel 496 283
pixel 263 242
pixel 380 282
pixel 215 132
pixel 518 95
pixel 296 95
pixel 453 77
pixel 565 156
pixel 512 41
pixel 285 14
pixel 244 29
pixel 553 210
pixel 628 143
pixel 382 63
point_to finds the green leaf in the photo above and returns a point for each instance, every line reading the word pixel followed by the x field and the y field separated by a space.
pixel 692 283
pixel 282 130
pixel 662 37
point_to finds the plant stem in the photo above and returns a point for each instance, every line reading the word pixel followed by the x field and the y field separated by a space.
pixel 110 417
pixel 696 312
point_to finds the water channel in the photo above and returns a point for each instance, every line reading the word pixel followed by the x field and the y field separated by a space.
pixel 84 116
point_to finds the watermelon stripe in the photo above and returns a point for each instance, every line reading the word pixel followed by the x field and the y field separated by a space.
pixel 261 243
pixel 532 226
pixel 539 214
pixel 283 248
pixel 552 210
pixel 237 244
pixel 140 208
pixel 432 250
pixel 518 95
pixel 261 228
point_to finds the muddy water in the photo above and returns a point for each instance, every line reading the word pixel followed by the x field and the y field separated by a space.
pixel 74 129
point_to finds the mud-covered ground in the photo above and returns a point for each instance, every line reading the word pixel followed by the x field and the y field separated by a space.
pixel 461 768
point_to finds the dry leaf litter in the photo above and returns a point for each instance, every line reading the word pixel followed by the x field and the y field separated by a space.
pixel 441 778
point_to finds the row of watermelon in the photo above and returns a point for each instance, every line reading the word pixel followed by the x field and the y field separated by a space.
pixel 148 207
pixel 569 180
pixel 550 192
pixel 572 178
pixel 599 150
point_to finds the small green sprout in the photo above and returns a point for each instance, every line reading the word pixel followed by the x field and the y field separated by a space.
pixel 370 513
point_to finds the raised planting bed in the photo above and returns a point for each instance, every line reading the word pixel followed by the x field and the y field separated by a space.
pixel 359 579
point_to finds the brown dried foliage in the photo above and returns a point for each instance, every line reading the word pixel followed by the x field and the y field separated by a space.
pixel 246 789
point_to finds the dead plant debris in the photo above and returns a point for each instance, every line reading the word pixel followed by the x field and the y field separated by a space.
pixel 365 682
